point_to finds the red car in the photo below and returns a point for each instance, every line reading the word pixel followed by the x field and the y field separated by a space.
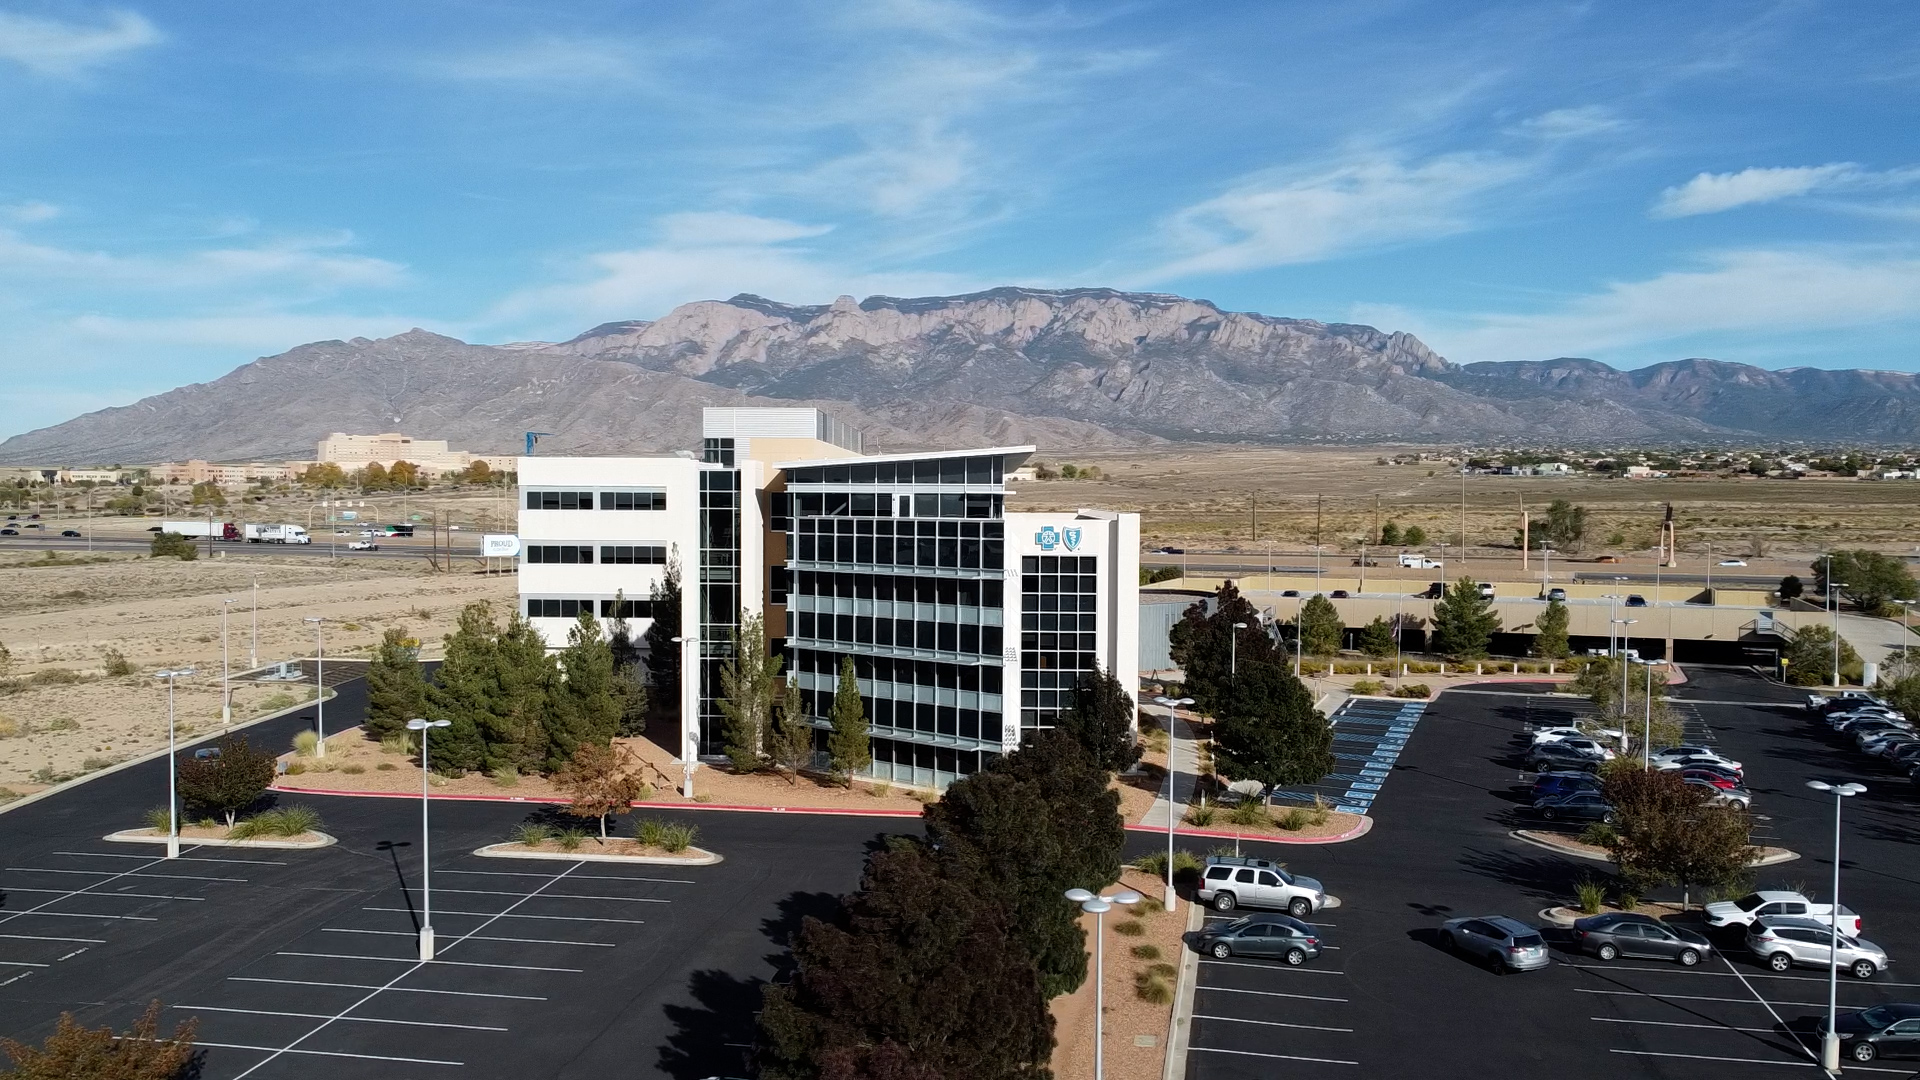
pixel 1717 779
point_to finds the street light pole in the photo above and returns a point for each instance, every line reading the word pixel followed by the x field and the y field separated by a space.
pixel 426 866
pixel 253 645
pixel 319 687
pixel 173 764
pixel 1173 717
pixel 1098 906
pixel 1233 668
pixel 1833 598
pixel 690 718
pixel 1830 1042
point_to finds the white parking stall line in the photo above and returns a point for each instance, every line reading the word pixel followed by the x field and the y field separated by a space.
pixel 183 858
pixel 355 1019
pixel 292 1047
pixel 133 895
pixel 1272 1023
pixel 1268 993
pixel 40 909
pixel 576 877
pixel 1276 1057
pixel 276 1051
pixel 477 937
pixel 1762 1000
pixel 49 937
pixel 1272 967
pixel 124 873
pixel 412 960
pixel 1697 997
pixel 1753 1061
pixel 553 896
pixel 1231 918
pixel 1736 973
pixel 391 989
pixel 1679 1024
pixel 73 914
pixel 516 915
pixel 21 963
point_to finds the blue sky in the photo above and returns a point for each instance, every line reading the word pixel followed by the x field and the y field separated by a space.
pixel 185 187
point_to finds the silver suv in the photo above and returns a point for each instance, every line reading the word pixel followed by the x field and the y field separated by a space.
pixel 1781 941
pixel 1231 881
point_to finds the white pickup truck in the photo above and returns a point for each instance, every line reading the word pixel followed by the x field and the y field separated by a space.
pixel 1744 911
pixel 1418 562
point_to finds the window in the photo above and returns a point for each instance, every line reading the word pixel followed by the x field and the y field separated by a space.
pixel 643 499
pixel 559 553
pixel 1269 880
pixel 1245 877
pixel 634 555
pixel 556 608
pixel 1219 873
pixel 559 500
pixel 626 609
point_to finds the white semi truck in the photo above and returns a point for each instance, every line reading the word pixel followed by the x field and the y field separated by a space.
pixel 277 534
pixel 200 530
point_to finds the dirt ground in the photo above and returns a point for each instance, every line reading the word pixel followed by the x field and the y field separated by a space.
pixel 62 713
pixel 1136 1029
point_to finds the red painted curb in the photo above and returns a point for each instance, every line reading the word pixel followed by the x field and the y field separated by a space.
pixel 1365 826
pixel 737 808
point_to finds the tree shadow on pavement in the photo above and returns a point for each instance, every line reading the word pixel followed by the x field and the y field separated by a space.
pixel 715 1035
pixel 1546 878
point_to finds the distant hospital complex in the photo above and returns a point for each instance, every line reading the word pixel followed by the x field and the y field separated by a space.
pixel 350 452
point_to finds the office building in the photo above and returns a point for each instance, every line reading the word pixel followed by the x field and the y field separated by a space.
pixel 966 625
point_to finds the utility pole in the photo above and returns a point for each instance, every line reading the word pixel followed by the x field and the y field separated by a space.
pixel 1526 535
pixel 1318 517
pixel 1255 503
pixel 1374 538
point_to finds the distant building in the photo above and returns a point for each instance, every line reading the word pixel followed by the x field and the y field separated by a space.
pixel 1552 468
pixel 431 456
pixel 1644 472
pixel 91 476
pixel 225 474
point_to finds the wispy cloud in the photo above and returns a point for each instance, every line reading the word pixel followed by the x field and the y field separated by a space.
pixel 1573 123
pixel 1734 293
pixel 29 212
pixel 52 47
pixel 312 261
pixel 1293 216
pixel 1710 193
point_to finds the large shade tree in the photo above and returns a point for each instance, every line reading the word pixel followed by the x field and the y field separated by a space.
pixel 1268 730
pixel 1203 644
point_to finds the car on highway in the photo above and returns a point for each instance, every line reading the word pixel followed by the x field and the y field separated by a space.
pixel 154 528
pixel 1622 933
pixel 1733 562
pixel 1636 600
pixel 1772 902
pixel 1435 590
pixel 1290 592
pixel 1890 1031
pixel 35 525
pixel 363 545
pixel 1557 594
pixel 1279 937
pixel 9 532
pixel 1577 806
pixel 71 533
pixel 1339 594
pixel 1501 943
pixel 1169 551
pixel 1230 881
pixel 1784 941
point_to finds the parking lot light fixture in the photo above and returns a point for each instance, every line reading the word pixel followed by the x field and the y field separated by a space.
pixel 426 866
pixel 226 693
pixel 690 719
pixel 1830 1042
pixel 1098 906
pixel 1233 665
pixel 319 686
pixel 173 763
pixel 1622 657
pixel 1173 714
pixel 1833 598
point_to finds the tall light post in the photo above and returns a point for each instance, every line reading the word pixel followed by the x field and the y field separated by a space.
pixel 1833 602
pixel 1622 657
pixel 1399 631
pixel 1646 739
pixel 319 686
pixel 1233 667
pixel 1546 562
pixel 226 694
pixel 173 764
pixel 1098 906
pixel 1173 715
pixel 690 719
pixel 1269 566
pixel 426 866
pixel 1443 560
pixel 1830 1042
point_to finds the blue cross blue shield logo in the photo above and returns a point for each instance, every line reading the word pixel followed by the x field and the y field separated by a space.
pixel 1047 538
pixel 1072 537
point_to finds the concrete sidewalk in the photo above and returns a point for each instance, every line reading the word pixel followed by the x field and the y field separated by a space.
pixel 1183 754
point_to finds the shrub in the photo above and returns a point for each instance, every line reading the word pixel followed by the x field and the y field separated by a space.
pixel 275 703
pixel 1627 901
pixel 354 769
pixel 1589 896
pixel 880 790
pixel 571 839
pixel 1600 834
pixel 399 742
pixel 9 728
pixel 1150 905
pixel 159 820
pixel 1414 690
pixel 295 768
pixel 1293 820
pixel 95 764
pixel 1249 812
pixel 1146 952
pixel 1320 812
pixel 279 821
pixel 1130 928
pixel 1201 816
pixel 504 776
pixel 386 766
pixel 305 743
pixel 532 833
pixel 116 663
pixel 54 676
pixel 1156 991
pixel 1163 970
pixel 677 838
pixel 650 831
pixel 1368 686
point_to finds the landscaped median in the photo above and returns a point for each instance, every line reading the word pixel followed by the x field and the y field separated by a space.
pixel 282 827
pixel 1580 849
pixel 653 841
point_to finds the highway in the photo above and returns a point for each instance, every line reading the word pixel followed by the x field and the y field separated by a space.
pixel 324 546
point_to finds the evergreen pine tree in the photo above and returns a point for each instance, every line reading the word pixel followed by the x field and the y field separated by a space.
pixel 1464 622
pixel 1321 626
pixel 1551 639
pixel 663 653
pixel 527 675
pixel 749 683
pixel 848 748
pixel 463 692
pixel 1376 638
pixel 1269 731
pixel 586 708
pixel 791 741
pixel 396 688
pixel 629 672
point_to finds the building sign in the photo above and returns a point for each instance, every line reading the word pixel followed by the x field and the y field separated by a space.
pixel 499 545
pixel 1049 538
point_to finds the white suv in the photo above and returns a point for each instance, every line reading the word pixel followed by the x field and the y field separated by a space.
pixel 1231 881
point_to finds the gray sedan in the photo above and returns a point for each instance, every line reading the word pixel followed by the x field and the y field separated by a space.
pixel 1620 933
pixel 1281 937
pixel 1501 943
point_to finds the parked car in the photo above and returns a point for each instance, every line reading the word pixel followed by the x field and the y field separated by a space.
pixel 9 532
pixel 1687 756
pixel 363 545
pixel 1281 937
pixel 1891 1030
pixel 1231 881
pixel 1714 763
pixel 1733 562
pixel 1782 941
pixel 1710 777
pixel 1636 600
pixel 70 532
pixel 1622 933
pixel 1290 592
pixel 1771 902
pixel 1563 754
pixel 1553 784
pixel 1503 944
pixel 1555 733
pixel 1578 806
pixel 1694 750
pixel 1338 594
pixel 1845 699
pixel 1737 796
pixel 1872 742
pixel 1557 594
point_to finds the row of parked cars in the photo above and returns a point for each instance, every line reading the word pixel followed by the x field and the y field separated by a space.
pixel 1567 759
pixel 1875 729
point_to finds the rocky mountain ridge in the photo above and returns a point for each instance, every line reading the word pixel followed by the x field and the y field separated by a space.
pixel 1069 368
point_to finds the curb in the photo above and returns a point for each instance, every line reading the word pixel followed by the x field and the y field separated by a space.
pixel 242 725
pixel 1355 833
pixel 1551 915
pixel 1180 1024
pixel 1781 855
pixel 538 801
pixel 497 851
pixel 147 836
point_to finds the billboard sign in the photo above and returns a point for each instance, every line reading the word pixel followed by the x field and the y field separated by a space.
pixel 499 545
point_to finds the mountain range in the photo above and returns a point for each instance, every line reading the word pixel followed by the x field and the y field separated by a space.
pixel 1065 369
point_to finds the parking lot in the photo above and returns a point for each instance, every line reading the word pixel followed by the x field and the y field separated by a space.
pixel 1368 737
pixel 1388 1000
pixel 303 963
